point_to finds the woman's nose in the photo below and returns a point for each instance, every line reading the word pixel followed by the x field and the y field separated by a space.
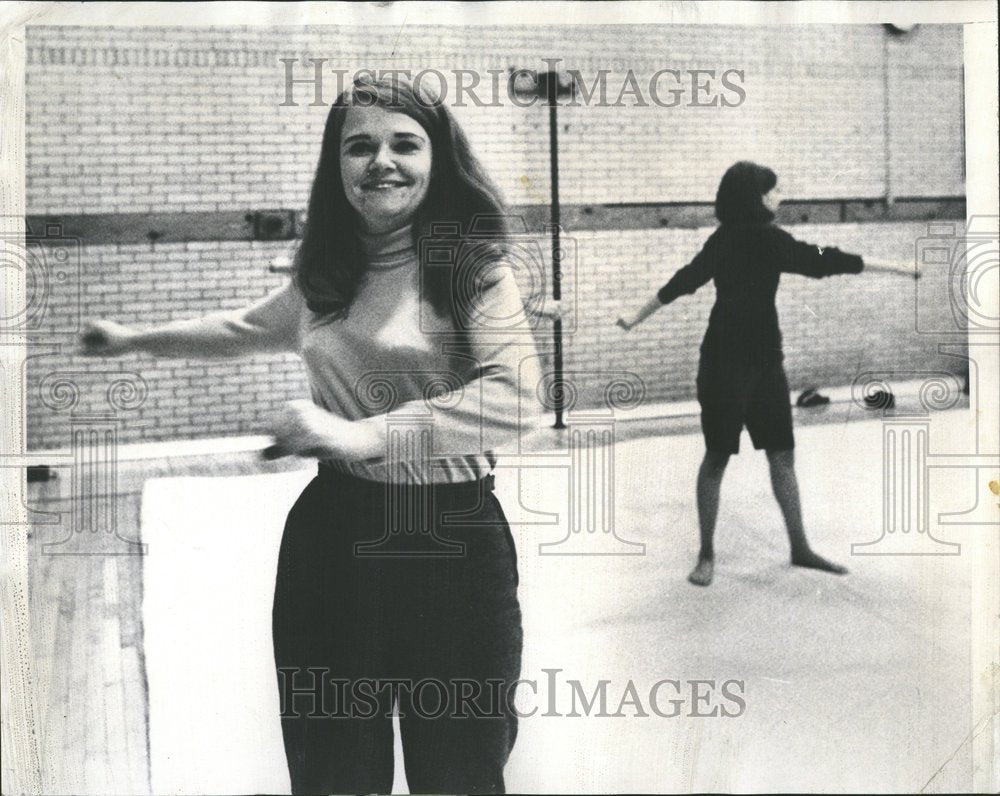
pixel 383 158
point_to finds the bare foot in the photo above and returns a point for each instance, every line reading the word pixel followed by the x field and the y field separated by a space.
pixel 701 575
pixel 811 560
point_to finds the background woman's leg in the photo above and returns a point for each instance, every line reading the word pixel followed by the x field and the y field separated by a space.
pixel 786 491
pixel 713 467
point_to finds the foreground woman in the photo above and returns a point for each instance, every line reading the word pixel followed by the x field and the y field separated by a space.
pixel 397 567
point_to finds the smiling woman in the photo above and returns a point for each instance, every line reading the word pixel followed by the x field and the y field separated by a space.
pixel 413 394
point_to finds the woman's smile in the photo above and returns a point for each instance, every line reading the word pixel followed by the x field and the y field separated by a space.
pixel 381 184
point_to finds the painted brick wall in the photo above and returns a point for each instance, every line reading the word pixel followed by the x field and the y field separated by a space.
pixel 154 120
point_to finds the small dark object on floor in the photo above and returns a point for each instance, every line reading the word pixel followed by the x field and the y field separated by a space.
pixel 880 399
pixel 810 397
pixel 40 472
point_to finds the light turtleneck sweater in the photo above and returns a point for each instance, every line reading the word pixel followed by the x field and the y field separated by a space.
pixel 451 400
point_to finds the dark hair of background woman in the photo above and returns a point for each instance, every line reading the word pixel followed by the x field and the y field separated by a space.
pixel 740 196
pixel 329 263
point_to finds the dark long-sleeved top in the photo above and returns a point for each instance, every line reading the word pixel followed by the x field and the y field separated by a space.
pixel 746 263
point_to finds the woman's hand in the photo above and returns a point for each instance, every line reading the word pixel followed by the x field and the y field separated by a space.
pixel 903 268
pixel 105 339
pixel 552 310
pixel 621 323
pixel 304 429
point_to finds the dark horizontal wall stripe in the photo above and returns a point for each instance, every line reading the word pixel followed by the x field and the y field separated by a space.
pixel 282 224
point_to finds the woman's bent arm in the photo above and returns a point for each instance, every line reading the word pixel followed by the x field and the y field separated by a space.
pixel 491 411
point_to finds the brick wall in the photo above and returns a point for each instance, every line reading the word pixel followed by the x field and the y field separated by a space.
pixel 161 120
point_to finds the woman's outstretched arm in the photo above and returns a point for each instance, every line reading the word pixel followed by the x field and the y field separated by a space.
pixel 640 315
pixel 892 267
pixel 269 325
pixel 807 259
pixel 686 281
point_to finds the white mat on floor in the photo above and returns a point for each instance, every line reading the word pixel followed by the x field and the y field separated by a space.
pixel 208 586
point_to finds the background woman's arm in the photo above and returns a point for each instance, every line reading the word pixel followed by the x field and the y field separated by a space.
pixel 808 259
pixel 269 325
pixel 641 314
pixel 892 267
pixel 686 281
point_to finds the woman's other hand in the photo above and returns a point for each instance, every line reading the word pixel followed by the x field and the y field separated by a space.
pixel 304 429
pixel 105 339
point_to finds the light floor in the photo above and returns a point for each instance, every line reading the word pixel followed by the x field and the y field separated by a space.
pixel 154 671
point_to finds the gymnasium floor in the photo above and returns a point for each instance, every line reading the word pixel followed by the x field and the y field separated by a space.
pixel 854 683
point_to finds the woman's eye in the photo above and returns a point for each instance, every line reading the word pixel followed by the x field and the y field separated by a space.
pixel 406 146
pixel 359 148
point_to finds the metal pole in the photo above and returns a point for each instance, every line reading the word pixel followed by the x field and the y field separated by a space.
pixel 552 80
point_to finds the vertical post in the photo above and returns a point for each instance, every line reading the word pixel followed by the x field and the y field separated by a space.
pixel 886 118
pixel 552 92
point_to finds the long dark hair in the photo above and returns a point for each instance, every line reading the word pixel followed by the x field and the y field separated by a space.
pixel 330 264
pixel 739 199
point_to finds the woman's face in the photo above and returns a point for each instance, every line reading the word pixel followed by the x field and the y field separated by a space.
pixel 772 199
pixel 385 166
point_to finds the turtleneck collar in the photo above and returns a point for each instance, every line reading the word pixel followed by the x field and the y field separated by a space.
pixel 388 249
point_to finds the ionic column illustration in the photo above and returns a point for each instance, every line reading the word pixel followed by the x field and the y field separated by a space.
pixel 93 526
pixel 591 441
pixel 905 465
pixel 408 524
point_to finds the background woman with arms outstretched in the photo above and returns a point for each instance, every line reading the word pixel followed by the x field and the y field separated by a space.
pixel 741 379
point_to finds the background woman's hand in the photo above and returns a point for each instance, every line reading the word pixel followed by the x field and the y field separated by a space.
pixel 901 267
pixel 105 339
pixel 621 323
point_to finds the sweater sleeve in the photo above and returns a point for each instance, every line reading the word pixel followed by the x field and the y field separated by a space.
pixel 268 325
pixel 807 259
pixel 489 411
pixel 691 277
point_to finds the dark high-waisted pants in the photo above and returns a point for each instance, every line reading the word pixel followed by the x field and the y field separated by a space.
pixel 379 599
